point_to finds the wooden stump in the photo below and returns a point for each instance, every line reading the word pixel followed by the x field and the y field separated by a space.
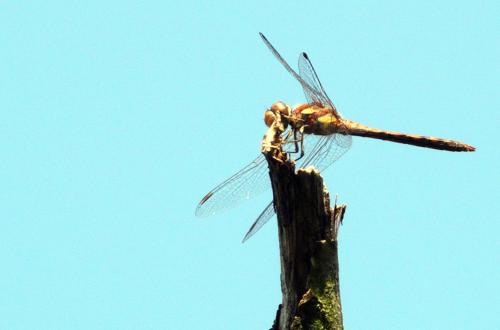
pixel 308 229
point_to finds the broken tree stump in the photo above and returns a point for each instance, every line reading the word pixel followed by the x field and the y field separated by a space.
pixel 308 229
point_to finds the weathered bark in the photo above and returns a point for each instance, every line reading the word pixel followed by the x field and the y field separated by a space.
pixel 308 243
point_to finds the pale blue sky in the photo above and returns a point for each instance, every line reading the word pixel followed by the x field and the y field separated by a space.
pixel 118 117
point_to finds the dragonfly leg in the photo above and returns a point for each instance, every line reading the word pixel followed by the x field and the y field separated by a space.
pixel 301 131
pixel 292 138
pixel 289 139
pixel 295 139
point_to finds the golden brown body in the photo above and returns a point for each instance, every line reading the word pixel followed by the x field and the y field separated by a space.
pixel 317 117
pixel 318 120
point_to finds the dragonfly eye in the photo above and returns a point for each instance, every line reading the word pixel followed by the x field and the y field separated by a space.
pixel 269 118
pixel 282 108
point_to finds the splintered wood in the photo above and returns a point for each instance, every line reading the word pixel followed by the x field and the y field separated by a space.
pixel 308 229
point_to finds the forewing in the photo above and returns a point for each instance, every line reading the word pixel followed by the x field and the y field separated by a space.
pixel 308 89
pixel 247 183
pixel 317 92
pixel 262 219
pixel 321 151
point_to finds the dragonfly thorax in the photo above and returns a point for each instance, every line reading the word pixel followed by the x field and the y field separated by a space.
pixel 315 118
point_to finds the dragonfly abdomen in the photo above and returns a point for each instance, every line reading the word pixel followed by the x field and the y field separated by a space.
pixel 357 129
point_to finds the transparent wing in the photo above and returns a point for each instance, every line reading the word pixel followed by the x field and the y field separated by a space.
pixel 262 219
pixel 308 88
pixel 322 151
pixel 317 92
pixel 250 181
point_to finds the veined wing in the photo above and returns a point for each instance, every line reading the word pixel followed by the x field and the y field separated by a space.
pixel 307 77
pixel 324 150
pixel 309 90
pixel 262 219
pixel 250 181
pixel 317 93
pixel 320 151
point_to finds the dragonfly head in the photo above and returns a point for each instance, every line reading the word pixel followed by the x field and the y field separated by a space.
pixel 277 108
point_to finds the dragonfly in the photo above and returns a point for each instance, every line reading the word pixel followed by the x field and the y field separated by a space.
pixel 324 137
